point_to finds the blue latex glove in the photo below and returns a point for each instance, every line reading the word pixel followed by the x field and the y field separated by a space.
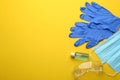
pixel 87 34
pixel 96 14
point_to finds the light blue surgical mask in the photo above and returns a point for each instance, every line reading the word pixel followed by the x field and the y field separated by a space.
pixel 109 52
pixel 107 49
pixel 114 61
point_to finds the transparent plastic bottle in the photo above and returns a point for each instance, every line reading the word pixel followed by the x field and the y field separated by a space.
pixel 80 56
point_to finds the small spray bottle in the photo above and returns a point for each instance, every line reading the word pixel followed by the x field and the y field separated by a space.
pixel 80 56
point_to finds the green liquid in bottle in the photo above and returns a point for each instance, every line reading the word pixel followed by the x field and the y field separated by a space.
pixel 80 56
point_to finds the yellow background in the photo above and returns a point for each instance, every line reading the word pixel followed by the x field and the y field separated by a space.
pixel 34 42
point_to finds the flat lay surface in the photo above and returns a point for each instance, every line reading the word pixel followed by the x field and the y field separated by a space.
pixel 35 43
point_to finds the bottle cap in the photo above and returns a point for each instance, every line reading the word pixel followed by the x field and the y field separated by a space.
pixel 72 54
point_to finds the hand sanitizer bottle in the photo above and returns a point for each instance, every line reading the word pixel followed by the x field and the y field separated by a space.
pixel 80 56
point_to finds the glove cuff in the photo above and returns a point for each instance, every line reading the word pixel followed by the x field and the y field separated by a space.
pixel 115 25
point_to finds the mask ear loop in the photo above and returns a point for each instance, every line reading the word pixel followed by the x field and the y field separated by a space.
pixel 92 58
pixel 108 74
pixel 91 55
pixel 111 75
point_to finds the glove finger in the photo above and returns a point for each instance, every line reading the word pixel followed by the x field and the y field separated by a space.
pixel 91 44
pixel 81 24
pixel 90 7
pixel 76 29
pixel 97 26
pixel 82 9
pixel 73 29
pixel 95 5
pixel 86 17
pixel 87 11
pixel 79 42
pixel 94 26
pixel 75 35
pixel 108 33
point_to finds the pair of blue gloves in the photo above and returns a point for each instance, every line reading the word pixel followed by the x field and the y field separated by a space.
pixel 101 25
